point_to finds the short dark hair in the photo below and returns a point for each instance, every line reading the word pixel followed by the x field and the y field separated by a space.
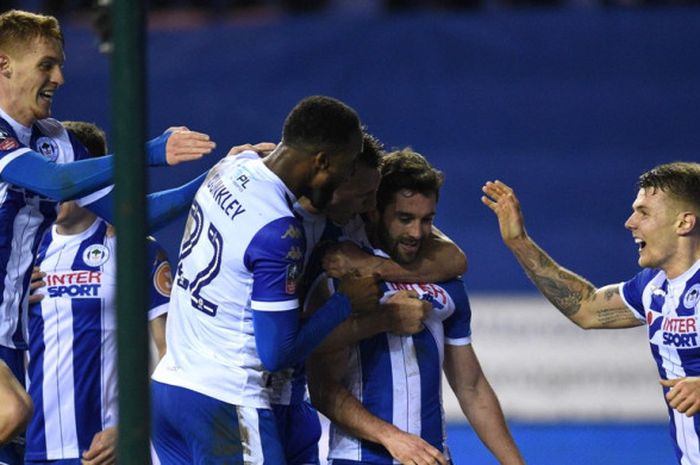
pixel 372 150
pixel 90 135
pixel 321 123
pixel 18 28
pixel 680 179
pixel 406 169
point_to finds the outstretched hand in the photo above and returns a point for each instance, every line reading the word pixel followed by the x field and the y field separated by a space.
pixel 684 394
pixel 502 201
pixel 185 145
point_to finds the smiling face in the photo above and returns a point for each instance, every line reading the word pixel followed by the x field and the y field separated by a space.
pixel 405 224
pixel 30 79
pixel 654 222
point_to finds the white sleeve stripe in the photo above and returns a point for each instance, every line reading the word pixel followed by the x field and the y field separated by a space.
pixel 274 306
pixel 157 311
pixel 95 196
pixel 634 311
pixel 462 341
pixel 8 158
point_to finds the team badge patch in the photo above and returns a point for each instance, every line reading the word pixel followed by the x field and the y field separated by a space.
pixel 7 142
pixel 163 279
pixel 692 296
pixel 292 278
pixel 48 148
pixel 96 255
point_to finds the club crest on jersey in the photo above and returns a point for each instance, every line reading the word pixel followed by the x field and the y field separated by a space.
pixel 96 255
pixel 292 278
pixel 7 142
pixel 48 148
pixel 692 296
pixel 163 279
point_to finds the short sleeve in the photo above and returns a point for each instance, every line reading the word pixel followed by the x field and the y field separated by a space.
pixel 275 256
pixel 632 291
pixel 457 326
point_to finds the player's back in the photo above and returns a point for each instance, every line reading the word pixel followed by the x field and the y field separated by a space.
pixel 240 218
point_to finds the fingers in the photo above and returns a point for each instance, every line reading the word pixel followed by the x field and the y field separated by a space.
pixel 669 382
pixel 185 145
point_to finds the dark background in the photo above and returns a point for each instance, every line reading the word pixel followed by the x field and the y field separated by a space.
pixel 566 105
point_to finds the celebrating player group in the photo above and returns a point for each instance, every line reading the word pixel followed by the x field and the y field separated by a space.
pixel 310 277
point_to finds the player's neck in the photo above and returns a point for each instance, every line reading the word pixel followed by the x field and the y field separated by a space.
pixel 75 224
pixel 291 166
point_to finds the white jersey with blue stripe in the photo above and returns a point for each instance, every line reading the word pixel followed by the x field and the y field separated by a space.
pixel 243 250
pixel 24 217
pixel 670 309
pixel 398 378
pixel 72 345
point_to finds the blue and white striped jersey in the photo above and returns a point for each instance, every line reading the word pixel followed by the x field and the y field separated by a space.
pixel 398 378
pixel 670 308
pixel 243 250
pixel 24 217
pixel 72 344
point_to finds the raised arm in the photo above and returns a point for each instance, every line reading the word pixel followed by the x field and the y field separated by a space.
pixel 67 181
pixel 162 206
pixel 440 259
pixel 479 403
pixel 575 297
pixel 332 399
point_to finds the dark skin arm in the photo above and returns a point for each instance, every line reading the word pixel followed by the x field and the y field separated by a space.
pixel 440 259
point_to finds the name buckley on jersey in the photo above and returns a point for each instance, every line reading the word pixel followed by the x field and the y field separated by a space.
pixel 224 198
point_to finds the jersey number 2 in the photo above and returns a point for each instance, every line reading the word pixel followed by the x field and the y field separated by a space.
pixel 209 272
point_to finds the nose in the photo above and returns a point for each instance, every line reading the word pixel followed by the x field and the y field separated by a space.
pixel 415 231
pixel 57 76
pixel 629 224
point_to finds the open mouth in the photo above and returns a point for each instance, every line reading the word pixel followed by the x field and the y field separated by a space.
pixel 640 243
pixel 46 95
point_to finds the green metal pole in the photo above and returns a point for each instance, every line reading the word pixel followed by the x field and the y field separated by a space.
pixel 130 178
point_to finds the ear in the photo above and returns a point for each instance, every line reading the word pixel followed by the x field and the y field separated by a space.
pixel 687 222
pixel 5 65
pixel 321 161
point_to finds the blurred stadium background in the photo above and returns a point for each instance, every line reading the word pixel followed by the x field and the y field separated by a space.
pixel 566 100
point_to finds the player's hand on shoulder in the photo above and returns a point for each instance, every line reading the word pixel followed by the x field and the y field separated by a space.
pixel 363 291
pixel 263 149
pixel 186 145
pixel 501 199
pixel 410 449
pixel 103 448
pixel 684 394
pixel 37 281
pixel 346 257
pixel 406 312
